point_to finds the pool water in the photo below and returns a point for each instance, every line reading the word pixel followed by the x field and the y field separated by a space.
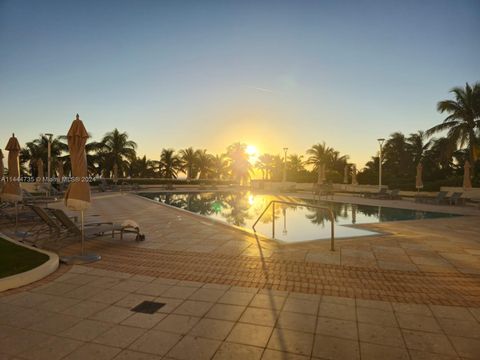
pixel 292 223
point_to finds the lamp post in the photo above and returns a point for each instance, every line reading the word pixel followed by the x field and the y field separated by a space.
pixel 380 142
pixel 49 160
pixel 285 149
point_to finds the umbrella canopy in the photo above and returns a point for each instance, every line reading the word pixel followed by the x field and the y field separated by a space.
pixel 77 196
pixel 354 175
pixel 40 172
pixel 11 191
pixel 467 182
pixel 418 178
pixel 60 172
pixel 2 170
pixel 345 174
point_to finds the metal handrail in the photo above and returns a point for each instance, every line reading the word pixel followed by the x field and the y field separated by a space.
pixel 332 217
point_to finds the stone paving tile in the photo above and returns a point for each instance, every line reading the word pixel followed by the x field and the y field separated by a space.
pixel 291 341
pixel 466 347
pixel 267 301
pixel 236 297
pixel 144 321
pixel 193 308
pixel 135 355
pixel 465 328
pixel 418 309
pixel 53 349
pixel 93 351
pixel 212 329
pixel 265 317
pixel 194 348
pixel 155 342
pixel 112 314
pixel 231 351
pixel 179 324
pixel 225 312
pixel 86 330
pixel 55 323
pixel 119 336
pixel 204 294
pixel 85 308
pixel 378 317
pixel 21 340
pixel 377 352
pixel 297 321
pixel 250 334
pixel 428 342
pixel 418 322
pixel 327 347
pixel 337 311
pixel 270 354
pixel 380 335
pixel 339 328
pixel 452 312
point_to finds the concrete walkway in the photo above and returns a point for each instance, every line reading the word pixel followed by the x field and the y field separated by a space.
pixel 413 293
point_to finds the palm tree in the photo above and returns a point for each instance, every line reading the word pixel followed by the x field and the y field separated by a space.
pixel 118 150
pixel 219 166
pixel 170 164
pixel 204 161
pixel 265 165
pixel 189 158
pixel 319 154
pixel 463 120
pixel 240 165
pixel 142 167
pixel 38 149
pixel 417 146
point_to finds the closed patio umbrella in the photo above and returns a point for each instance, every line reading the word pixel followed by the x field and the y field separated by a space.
pixel 354 175
pixel 345 174
pixel 418 178
pixel 2 169
pixel 467 182
pixel 77 197
pixel 11 191
pixel 40 172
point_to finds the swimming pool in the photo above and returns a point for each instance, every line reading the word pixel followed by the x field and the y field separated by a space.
pixel 292 223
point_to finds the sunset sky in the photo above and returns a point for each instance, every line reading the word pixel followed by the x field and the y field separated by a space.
pixel 206 74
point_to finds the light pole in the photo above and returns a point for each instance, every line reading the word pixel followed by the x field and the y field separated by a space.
pixel 380 142
pixel 285 149
pixel 49 160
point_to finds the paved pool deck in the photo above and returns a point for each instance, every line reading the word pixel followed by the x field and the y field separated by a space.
pixel 411 293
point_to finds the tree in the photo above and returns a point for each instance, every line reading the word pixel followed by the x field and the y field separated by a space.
pixel 170 164
pixel 463 120
pixel 189 158
pixel 240 165
pixel 319 154
pixel 38 149
pixel 219 166
pixel 204 161
pixel 117 149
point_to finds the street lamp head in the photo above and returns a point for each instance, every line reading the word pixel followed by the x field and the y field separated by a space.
pixel 381 140
pixel 49 136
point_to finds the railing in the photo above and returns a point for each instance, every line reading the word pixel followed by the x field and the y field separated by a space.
pixel 273 202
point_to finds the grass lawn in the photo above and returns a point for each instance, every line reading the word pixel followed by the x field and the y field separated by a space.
pixel 15 259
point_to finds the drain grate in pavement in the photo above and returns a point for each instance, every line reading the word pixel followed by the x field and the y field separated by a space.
pixel 148 307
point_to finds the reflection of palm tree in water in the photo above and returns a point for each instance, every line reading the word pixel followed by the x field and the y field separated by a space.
pixel 238 209
pixel 319 216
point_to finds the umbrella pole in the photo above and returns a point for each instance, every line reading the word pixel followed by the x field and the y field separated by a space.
pixel 82 224
pixel 16 217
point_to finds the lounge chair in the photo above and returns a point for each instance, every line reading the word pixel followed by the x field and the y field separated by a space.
pixel 456 199
pixel 438 200
pixel 37 230
pixel 90 229
pixel 394 194
pixel 30 199
pixel 380 194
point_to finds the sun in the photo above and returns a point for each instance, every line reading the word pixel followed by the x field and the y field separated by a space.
pixel 251 150
pixel 252 153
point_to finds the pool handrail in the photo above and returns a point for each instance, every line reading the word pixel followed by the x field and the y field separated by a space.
pixel 273 202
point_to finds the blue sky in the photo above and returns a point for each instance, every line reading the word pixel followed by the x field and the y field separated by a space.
pixel 209 73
